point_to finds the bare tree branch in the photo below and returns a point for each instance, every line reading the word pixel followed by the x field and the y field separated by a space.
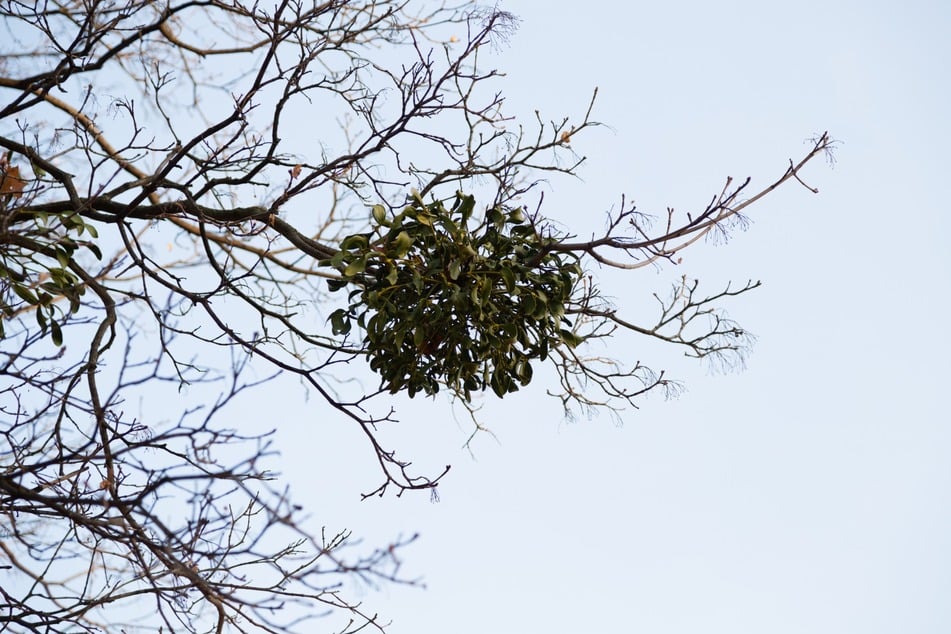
pixel 183 188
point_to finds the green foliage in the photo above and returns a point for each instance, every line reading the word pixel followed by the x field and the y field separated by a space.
pixel 35 272
pixel 440 303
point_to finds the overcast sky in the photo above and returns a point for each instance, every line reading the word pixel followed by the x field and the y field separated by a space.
pixel 806 494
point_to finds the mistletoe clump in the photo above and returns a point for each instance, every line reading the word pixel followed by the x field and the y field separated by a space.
pixel 441 303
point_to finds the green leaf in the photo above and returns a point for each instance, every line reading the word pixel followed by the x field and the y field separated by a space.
pixel 57 333
pixel 336 285
pixel 476 295
pixel 379 215
pixel 356 267
pixel 524 371
pixel 451 228
pixel 465 205
pixel 502 383
pixel 402 244
pixel 571 339
pixel 61 279
pixel 508 276
pixel 541 308
pixel 516 216
pixel 338 259
pixel 455 268
pixel 527 304
pixel 398 336
pixel 357 242
pixel 458 298
pixel 494 216
pixel 340 322
pixel 376 327
pixel 523 231
pixel 25 294
pixel 419 336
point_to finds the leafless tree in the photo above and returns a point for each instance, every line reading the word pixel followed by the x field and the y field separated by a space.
pixel 183 188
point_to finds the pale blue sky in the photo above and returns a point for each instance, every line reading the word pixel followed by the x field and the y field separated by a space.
pixel 808 494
